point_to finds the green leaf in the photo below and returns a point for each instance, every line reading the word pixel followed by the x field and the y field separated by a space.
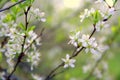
pixel 15 9
pixel 14 0
pixel 8 18
pixel 114 29
pixel 30 28
pixel 114 2
pixel 26 4
pixel 22 26
pixel 96 17
pixel 0 56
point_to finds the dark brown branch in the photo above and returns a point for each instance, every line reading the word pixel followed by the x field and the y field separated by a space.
pixel 93 31
pixel 75 53
pixel 15 67
pixel 51 73
pixel 21 55
pixel 57 73
pixel 41 33
pixel 97 62
pixel 7 8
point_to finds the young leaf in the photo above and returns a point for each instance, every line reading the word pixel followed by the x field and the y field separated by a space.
pixel 22 26
pixel 114 2
pixel 0 56
pixel 30 28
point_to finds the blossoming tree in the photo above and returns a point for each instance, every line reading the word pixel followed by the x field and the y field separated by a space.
pixel 20 43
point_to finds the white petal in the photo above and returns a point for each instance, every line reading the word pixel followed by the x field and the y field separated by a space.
pixel 64 60
pixel 84 44
pixel 66 65
pixel 72 65
pixel 72 61
pixel 75 44
pixel 86 50
pixel 94 51
pixel 67 57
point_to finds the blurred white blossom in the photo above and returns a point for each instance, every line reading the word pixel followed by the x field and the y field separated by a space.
pixel 87 68
pixel 111 11
pixel 15 40
pixel 98 73
pixel 86 14
pixel 89 43
pixel 36 77
pixel 101 25
pixel 38 14
pixel 68 62
pixel 74 39
pixel 80 40
pixel 33 57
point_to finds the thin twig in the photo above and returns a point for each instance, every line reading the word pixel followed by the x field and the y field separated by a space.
pixel 98 61
pixel 50 74
pixel 34 40
pixel 57 73
pixel 93 31
pixel 94 67
pixel 7 8
pixel 75 53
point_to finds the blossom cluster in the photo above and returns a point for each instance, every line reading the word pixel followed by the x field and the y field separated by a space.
pixel 18 38
pixel 39 15
pixel 13 38
pixel 90 44
pixel 99 71
pixel 101 17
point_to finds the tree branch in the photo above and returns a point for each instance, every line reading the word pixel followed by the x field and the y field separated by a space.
pixel 41 33
pixel 7 8
pixel 21 55
pixel 75 53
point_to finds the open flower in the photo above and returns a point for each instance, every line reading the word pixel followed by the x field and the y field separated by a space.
pixel 87 13
pixel 101 25
pixel 68 62
pixel 111 11
pixel 89 44
pixel 74 39
pixel 38 14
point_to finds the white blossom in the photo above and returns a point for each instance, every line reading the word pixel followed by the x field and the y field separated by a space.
pixel 38 14
pixel 33 36
pixel 111 11
pixel 105 65
pixel 101 25
pixel 15 41
pixel 82 17
pixel 68 62
pixel 33 58
pixel 87 68
pixel 98 73
pixel 86 14
pixel 89 43
pixel 74 39
pixel 36 77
